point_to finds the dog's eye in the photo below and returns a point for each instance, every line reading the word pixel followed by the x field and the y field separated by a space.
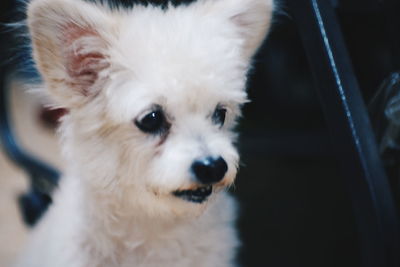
pixel 154 122
pixel 219 116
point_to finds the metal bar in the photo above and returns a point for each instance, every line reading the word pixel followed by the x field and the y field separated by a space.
pixel 351 132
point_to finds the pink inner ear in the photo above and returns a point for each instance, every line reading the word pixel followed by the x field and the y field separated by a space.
pixel 83 55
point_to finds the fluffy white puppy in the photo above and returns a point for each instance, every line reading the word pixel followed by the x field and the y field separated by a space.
pixel 153 95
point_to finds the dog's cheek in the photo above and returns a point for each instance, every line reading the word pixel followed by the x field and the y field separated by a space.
pixel 170 167
pixel 167 174
pixel 137 159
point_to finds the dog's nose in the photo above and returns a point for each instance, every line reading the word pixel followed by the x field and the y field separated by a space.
pixel 209 170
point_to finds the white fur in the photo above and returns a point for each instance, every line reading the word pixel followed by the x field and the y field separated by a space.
pixel 114 205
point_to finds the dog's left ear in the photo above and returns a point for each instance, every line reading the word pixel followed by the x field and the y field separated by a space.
pixel 252 19
pixel 70 47
pixel 253 22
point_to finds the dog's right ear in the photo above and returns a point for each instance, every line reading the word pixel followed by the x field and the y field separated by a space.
pixel 70 46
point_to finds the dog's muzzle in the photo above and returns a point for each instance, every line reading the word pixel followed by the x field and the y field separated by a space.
pixel 198 195
pixel 207 172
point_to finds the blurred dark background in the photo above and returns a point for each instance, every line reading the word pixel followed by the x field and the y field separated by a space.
pixel 295 209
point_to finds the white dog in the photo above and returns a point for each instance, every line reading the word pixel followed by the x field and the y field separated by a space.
pixel 153 94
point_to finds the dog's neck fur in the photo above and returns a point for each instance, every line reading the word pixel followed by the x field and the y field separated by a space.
pixel 112 233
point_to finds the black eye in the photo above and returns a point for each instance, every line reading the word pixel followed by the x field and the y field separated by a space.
pixel 154 122
pixel 219 116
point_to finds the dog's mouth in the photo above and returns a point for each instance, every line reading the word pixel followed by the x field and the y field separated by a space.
pixel 198 195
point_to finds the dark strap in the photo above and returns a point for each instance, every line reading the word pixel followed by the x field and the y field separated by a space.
pixel 351 132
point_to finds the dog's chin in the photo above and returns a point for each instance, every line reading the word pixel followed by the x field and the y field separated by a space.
pixel 198 195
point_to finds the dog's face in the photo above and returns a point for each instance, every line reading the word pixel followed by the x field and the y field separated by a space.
pixel 153 93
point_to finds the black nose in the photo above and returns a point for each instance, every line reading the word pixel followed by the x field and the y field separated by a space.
pixel 209 170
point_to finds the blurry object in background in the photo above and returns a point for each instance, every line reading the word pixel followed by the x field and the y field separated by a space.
pixel 14 58
pixel 51 116
pixel 385 115
pixel 350 131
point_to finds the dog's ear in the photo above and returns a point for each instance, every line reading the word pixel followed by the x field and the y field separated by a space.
pixel 70 47
pixel 253 22
pixel 252 19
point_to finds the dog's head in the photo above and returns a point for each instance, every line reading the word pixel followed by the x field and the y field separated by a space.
pixel 153 93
